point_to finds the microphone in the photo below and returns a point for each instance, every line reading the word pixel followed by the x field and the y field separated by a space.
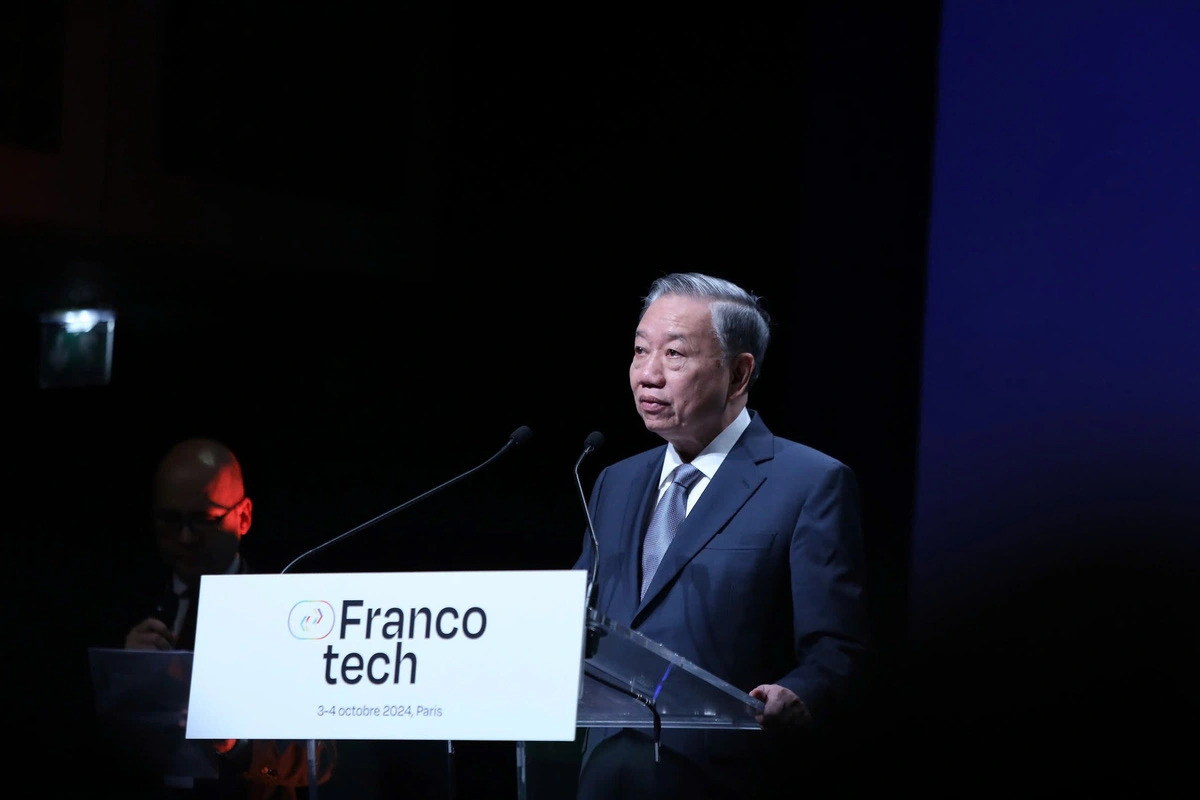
pixel 517 437
pixel 593 442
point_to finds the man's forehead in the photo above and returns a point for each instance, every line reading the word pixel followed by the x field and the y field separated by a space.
pixel 204 487
pixel 690 321
pixel 184 497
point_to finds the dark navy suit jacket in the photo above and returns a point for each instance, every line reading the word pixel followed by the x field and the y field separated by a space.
pixel 764 583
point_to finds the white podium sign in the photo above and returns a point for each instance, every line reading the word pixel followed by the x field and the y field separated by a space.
pixel 490 655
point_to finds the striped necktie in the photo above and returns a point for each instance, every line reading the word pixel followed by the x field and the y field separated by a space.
pixel 669 512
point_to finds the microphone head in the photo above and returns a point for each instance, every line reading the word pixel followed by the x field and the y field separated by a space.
pixel 520 435
pixel 594 440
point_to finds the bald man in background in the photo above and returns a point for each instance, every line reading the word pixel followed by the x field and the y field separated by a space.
pixel 201 513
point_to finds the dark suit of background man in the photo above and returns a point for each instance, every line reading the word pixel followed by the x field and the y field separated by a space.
pixel 763 585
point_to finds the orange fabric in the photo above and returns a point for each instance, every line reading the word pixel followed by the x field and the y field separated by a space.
pixel 278 767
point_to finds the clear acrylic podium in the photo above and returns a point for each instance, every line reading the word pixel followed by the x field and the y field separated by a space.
pixel 632 681
pixel 140 698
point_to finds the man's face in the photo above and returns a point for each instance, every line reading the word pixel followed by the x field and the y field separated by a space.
pixel 680 383
pixel 199 523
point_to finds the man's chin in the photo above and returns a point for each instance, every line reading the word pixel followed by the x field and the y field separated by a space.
pixel 658 425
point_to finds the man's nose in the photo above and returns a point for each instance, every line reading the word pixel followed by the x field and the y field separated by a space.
pixel 185 533
pixel 651 372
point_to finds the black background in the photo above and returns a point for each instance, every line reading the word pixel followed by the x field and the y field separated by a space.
pixel 486 194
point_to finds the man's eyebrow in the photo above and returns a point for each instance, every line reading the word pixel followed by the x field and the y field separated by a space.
pixel 671 336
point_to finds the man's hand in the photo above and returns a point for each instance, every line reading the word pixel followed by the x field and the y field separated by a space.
pixel 783 710
pixel 150 634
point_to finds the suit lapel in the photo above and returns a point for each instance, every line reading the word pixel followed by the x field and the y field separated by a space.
pixel 735 482
pixel 635 516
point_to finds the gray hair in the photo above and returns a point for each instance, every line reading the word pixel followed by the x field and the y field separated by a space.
pixel 739 320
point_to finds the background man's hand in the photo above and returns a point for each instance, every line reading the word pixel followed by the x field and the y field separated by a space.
pixel 150 634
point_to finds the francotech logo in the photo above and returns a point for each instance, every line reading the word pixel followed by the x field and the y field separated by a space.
pixel 311 619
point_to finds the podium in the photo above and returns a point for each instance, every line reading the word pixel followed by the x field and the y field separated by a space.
pixel 631 681
pixel 139 698
pixel 504 656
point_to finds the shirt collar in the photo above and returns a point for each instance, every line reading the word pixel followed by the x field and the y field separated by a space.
pixel 711 457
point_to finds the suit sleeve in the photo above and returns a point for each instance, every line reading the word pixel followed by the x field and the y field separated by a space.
pixel 828 596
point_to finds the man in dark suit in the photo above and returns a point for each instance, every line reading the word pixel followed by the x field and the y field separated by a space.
pixel 763 582
pixel 201 513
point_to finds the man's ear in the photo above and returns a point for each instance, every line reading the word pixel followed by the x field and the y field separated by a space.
pixel 739 375
pixel 244 516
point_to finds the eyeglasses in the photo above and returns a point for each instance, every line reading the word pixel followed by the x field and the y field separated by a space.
pixel 194 521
